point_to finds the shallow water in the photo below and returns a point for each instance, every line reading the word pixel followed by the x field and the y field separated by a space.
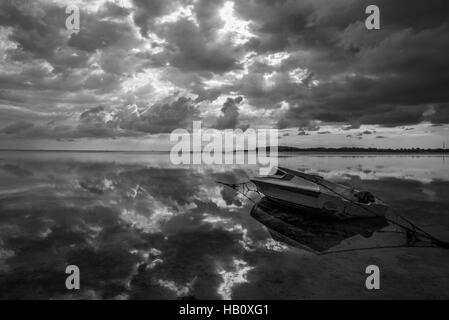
pixel 141 228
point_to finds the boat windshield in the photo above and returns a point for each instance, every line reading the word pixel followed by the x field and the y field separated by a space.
pixel 281 175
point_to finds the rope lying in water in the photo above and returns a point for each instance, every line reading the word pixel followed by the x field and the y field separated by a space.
pixel 245 189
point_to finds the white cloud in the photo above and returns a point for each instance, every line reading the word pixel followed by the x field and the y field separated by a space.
pixel 232 278
pixel 234 27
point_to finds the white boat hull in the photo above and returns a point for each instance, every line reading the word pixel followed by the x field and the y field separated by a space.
pixel 316 199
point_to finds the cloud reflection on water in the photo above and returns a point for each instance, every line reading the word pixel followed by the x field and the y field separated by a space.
pixel 148 231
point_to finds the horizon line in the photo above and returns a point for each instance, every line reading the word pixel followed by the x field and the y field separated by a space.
pixel 292 149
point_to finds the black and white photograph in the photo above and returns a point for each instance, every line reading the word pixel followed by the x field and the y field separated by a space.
pixel 224 150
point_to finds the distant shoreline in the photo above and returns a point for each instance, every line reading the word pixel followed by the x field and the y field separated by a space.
pixel 360 150
pixel 283 149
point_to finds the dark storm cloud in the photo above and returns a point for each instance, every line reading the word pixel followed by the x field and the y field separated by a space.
pixel 192 51
pixel 147 11
pixel 104 122
pixel 377 70
pixel 98 34
pixel 161 118
pixel 144 54
pixel 50 65
pixel 230 117
pixel 158 118
pixel 277 22
pixel 191 46
pixel 110 9
pixel 35 30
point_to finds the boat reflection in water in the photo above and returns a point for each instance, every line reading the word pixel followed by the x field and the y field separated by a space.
pixel 310 231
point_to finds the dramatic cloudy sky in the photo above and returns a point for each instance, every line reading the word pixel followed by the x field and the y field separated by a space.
pixel 139 69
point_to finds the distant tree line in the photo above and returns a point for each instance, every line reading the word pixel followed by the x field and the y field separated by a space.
pixel 358 150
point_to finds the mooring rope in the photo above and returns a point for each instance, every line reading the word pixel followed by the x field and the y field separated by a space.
pixel 373 248
pixel 414 230
pixel 245 189
pixel 411 232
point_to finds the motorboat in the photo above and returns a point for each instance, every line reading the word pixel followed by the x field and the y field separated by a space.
pixel 308 231
pixel 313 193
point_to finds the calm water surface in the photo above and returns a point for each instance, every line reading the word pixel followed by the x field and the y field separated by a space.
pixel 141 228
